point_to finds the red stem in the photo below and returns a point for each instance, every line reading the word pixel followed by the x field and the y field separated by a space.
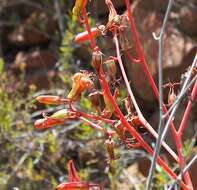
pixel 92 40
pixel 104 84
pixel 143 61
pixel 149 128
pixel 132 130
pixel 94 117
pixel 184 121
pixel 182 127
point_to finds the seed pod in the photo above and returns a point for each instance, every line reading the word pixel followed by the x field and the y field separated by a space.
pixel 108 105
pixel 120 131
pixel 111 66
pixel 47 123
pixel 171 97
pixel 48 99
pixel 110 148
pixel 95 100
pixel 97 59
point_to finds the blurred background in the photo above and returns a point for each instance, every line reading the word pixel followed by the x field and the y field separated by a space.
pixel 38 56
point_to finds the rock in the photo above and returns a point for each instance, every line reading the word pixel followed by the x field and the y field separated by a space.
pixel 34 61
pixel 37 29
pixel 188 20
pixel 154 5
pixel 37 65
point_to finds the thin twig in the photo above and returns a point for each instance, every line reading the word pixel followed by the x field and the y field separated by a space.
pixel 146 124
pixel 60 18
pixel 161 119
pixel 187 167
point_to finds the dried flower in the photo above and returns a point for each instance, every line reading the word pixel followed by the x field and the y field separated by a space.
pixel 81 82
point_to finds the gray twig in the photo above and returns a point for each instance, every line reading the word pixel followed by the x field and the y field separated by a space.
pixel 186 168
pixel 60 18
pixel 161 120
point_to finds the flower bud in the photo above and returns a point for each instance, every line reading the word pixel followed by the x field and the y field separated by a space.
pixel 111 66
pixel 47 123
pixel 97 59
pixel 48 99
pixel 84 36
